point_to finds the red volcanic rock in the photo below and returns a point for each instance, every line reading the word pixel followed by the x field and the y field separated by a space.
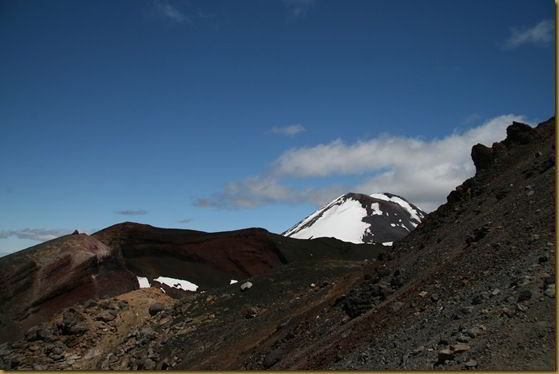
pixel 209 259
pixel 40 280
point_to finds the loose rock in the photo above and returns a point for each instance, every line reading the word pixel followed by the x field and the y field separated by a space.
pixel 155 308
pixel 471 364
pixel 106 316
pixel 460 348
pixel 445 354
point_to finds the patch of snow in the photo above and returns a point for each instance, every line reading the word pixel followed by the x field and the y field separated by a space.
pixel 161 288
pixel 177 283
pixel 387 244
pixel 337 200
pixel 233 281
pixel 404 204
pixel 143 282
pixel 376 209
pixel 343 221
pixel 393 224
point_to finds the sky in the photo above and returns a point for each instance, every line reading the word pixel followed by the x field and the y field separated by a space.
pixel 219 115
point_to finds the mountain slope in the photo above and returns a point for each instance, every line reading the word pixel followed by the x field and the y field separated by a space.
pixel 359 218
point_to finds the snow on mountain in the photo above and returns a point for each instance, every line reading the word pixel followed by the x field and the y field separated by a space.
pixel 358 218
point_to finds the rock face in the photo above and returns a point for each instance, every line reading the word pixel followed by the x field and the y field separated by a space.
pixel 208 259
pixel 359 218
pixel 482 156
pixel 42 279
pixel 211 259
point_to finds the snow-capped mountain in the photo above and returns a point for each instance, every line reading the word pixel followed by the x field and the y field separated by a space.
pixel 359 218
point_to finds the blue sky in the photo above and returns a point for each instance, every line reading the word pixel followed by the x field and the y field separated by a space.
pixel 219 115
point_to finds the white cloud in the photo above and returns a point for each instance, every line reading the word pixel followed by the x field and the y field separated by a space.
pixel 540 35
pixel 298 8
pixel 289 130
pixel 34 234
pixel 170 11
pixel 339 158
pixel 422 171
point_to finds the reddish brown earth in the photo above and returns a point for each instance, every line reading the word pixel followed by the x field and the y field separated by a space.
pixel 43 279
pixel 472 288
pixel 210 259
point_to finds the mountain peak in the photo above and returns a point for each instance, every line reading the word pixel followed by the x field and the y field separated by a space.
pixel 360 218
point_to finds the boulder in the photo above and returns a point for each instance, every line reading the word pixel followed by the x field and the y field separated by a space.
pixel 155 308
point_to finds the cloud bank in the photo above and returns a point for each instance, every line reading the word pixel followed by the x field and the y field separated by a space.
pixel 540 35
pixel 422 171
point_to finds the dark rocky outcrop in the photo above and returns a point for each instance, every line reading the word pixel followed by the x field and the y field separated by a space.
pixel 519 133
pixel 482 156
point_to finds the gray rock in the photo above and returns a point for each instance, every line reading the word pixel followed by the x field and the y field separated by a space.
pixel 106 316
pixel 474 332
pixel 471 363
pixel 458 348
pixel 445 354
